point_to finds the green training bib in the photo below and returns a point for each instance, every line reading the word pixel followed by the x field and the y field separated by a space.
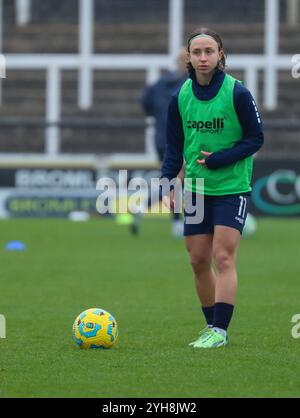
pixel 212 126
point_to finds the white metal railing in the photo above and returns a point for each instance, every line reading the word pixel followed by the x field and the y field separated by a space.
pixel 55 64
pixel 271 52
pixel 270 62
pixel 1 41
pixel 176 21
pixel 293 13
pixel 23 11
pixel 86 49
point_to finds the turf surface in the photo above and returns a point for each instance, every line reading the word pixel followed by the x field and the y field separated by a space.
pixel 146 283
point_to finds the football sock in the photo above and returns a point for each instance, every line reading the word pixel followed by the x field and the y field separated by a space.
pixel 222 316
pixel 209 314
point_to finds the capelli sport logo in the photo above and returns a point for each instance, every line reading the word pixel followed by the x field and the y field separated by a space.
pixel 214 126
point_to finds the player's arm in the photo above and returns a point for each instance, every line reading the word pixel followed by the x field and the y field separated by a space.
pixel 173 166
pixel 173 160
pixel 253 137
pixel 181 173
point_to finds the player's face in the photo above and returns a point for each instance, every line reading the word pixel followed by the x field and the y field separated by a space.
pixel 204 55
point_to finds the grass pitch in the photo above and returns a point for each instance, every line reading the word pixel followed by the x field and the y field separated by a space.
pixel 147 284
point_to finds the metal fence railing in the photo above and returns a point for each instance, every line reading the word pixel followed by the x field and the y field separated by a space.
pixel 270 62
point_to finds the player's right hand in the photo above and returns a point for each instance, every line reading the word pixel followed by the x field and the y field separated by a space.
pixel 168 201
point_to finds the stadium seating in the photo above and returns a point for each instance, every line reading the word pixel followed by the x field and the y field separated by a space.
pixel 53 29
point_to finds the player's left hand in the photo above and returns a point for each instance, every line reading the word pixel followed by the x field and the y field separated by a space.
pixel 206 154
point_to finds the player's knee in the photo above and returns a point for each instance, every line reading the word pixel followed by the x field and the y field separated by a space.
pixel 200 263
pixel 224 260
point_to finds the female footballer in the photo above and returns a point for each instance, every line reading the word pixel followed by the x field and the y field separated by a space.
pixel 215 128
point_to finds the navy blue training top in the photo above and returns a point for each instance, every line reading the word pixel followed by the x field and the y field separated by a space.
pixel 248 117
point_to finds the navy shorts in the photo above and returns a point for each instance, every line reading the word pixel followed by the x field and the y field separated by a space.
pixel 227 210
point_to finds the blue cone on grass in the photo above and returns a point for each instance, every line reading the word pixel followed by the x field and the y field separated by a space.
pixel 15 246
